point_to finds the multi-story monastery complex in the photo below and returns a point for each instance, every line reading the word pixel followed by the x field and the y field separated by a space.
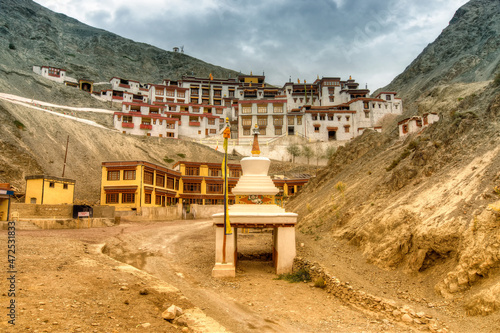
pixel 194 107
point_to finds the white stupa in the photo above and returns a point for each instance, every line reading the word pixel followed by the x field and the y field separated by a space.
pixel 255 208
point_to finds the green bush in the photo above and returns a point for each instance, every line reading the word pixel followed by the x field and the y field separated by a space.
pixel 302 275
pixel 496 81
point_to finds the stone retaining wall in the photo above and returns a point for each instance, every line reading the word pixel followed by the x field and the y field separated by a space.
pixel 360 299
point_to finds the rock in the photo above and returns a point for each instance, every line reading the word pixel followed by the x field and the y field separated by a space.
pixel 396 313
pixel 143 292
pixel 407 318
pixel 123 288
pixel 167 315
pixel 146 325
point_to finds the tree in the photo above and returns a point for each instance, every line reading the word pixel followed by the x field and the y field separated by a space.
pixel 293 150
pixel 330 151
pixel 307 152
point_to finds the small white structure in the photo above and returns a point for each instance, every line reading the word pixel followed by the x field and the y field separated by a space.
pixel 255 208
pixel 416 124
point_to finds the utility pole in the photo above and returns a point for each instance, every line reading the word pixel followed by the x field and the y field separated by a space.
pixel 65 156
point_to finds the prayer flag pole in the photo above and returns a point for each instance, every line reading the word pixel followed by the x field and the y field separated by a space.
pixel 227 226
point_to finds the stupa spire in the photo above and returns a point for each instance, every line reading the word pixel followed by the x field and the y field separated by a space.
pixel 255 146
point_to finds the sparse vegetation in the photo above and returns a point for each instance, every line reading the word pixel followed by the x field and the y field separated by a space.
pixel 181 155
pixel 19 124
pixel 320 283
pixel 496 81
pixel 307 152
pixel 12 46
pixel 293 150
pixel 166 159
pixel 302 275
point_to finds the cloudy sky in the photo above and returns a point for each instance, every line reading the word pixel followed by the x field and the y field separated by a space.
pixel 372 40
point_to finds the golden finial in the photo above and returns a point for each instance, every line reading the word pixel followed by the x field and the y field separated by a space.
pixel 255 146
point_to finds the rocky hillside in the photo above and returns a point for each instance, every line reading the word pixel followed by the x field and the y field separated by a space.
pixel 468 50
pixel 428 204
pixel 33 35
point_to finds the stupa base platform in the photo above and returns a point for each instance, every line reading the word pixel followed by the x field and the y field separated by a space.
pixel 226 270
pixel 283 248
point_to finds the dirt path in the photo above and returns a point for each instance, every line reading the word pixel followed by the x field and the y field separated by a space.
pixel 254 301
pixel 65 285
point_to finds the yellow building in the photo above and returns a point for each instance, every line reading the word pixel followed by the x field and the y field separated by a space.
pixel 42 189
pixel 130 185
pixel 5 194
pixel 202 183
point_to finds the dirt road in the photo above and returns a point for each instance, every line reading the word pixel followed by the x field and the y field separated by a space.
pixel 66 284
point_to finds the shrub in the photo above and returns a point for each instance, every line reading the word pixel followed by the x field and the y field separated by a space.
pixel 320 283
pixel 496 81
pixel 12 46
pixel 181 155
pixel 302 275
pixel 168 160
pixel 19 124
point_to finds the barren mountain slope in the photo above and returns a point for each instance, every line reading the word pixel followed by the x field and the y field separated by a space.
pixel 34 35
pixel 34 142
pixel 468 50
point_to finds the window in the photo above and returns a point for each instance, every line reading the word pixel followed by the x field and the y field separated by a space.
pixel 128 197
pixel 316 129
pixel 262 131
pixel 213 131
pixel 127 119
pixel 171 125
pixel 111 198
pixel 246 109
pixel 347 118
pixel 330 117
pixel 321 117
pixel 170 135
pixel 291 120
pixel 262 122
pixel 277 131
pixel 52 184
pixel 299 120
pixel 387 97
pixel 278 121
pixel 246 121
pixel 148 177
pixel 215 172
pixel 262 109
pixel 170 183
pixel 367 114
pixel 235 173
pixel 346 128
pixel 192 171
pixel 192 187
pixel 339 118
pixel 181 94
pixel 158 200
pixel 160 180
pixel 114 175
pixel 314 117
pixel 246 131
pixel 171 93
pixel 214 188
pixel 211 121
pixel 278 108
pixel 65 186
pixel 129 175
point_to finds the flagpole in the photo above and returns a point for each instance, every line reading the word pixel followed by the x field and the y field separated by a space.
pixel 225 202
pixel 226 135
